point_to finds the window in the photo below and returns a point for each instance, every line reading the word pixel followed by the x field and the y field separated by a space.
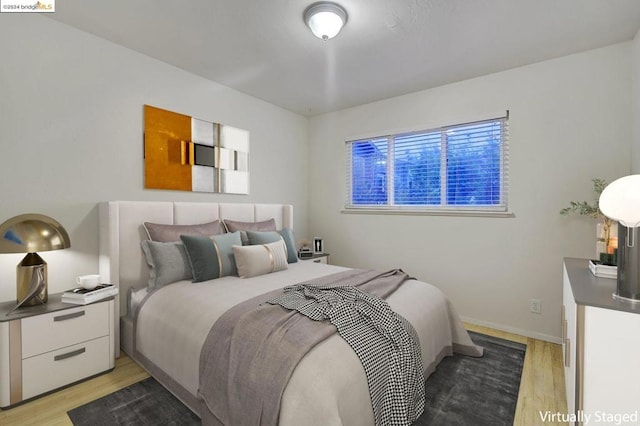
pixel 459 168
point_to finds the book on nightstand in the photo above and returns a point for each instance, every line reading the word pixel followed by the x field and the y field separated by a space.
pixel 603 271
pixel 82 296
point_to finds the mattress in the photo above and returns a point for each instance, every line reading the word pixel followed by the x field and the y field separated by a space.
pixel 174 321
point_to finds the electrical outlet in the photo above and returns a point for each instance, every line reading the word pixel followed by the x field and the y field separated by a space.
pixel 535 305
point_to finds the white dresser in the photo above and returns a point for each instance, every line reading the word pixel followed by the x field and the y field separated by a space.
pixel 43 348
pixel 601 349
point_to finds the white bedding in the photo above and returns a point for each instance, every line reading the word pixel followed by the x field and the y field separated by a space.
pixel 329 385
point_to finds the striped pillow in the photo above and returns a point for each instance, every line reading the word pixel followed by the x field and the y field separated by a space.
pixel 260 259
pixel 286 234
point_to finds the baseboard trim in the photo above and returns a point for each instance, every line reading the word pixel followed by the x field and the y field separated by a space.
pixel 525 333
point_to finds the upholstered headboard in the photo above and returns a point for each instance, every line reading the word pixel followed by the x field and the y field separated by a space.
pixel 121 262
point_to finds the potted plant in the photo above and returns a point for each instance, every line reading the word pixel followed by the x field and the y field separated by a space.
pixel 605 229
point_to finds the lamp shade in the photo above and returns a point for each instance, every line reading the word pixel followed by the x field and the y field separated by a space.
pixel 620 201
pixel 29 233
pixel 325 19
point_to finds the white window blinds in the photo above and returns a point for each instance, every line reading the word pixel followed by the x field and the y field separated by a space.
pixel 461 167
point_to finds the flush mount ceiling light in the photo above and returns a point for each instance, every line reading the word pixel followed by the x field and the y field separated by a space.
pixel 325 19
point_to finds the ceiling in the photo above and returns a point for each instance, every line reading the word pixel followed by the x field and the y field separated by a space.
pixel 388 47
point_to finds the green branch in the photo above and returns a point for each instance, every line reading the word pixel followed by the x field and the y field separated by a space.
pixel 584 208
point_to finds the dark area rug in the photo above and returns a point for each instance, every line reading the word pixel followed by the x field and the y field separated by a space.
pixel 143 403
pixel 475 391
pixel 462 391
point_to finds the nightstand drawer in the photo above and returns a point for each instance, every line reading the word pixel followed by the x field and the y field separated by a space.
pixel 317 258
pixel 44 333
pixel 54 369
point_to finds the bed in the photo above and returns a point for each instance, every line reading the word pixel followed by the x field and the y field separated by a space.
pixel 164 330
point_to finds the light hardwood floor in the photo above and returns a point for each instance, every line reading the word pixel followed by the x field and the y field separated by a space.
pixel 541 387
pixel 542 383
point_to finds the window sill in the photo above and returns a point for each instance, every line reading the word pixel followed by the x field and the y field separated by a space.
pixel 428 212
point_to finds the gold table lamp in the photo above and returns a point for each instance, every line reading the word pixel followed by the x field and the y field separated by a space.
pixel 29 233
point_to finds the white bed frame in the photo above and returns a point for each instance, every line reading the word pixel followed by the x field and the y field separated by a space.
pixel 121 262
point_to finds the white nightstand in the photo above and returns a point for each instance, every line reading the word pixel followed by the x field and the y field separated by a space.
pixel 45 347
pixel 317 258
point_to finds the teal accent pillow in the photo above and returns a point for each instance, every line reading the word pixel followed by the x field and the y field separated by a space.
pixel 168 263
pixel 211 257
pixel 285 234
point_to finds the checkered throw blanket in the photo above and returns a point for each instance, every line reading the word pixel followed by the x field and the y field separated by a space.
pixel 384 341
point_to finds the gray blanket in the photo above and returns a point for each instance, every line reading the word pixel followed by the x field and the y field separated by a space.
pixel 386 344
pixel 252 350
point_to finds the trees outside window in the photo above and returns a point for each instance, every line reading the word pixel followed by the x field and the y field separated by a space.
pixel 461 167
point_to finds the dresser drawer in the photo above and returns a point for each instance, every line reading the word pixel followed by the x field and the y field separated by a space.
pixel 54 369
pixel 44 333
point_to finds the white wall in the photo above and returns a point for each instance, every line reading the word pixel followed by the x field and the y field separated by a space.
pixel 570 121
pixel 71 126
pixel 635 100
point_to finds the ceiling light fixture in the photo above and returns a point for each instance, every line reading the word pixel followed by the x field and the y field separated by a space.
pixel 325 19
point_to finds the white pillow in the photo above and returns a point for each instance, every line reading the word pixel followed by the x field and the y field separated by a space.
pixel 260 259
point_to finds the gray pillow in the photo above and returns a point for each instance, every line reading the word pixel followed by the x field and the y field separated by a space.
pixel 211 257
pixel 233 226
pixel 168 263
pixel 167 233
pixel 286 234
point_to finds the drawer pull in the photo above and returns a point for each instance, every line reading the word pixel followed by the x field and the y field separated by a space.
pixel 69 354
pixel 567 352
pixel 68 316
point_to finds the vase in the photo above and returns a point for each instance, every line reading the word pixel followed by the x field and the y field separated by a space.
pixel 606 241
pixel 601 245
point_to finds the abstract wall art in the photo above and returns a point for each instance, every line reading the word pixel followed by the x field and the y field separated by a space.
pixel 187 154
